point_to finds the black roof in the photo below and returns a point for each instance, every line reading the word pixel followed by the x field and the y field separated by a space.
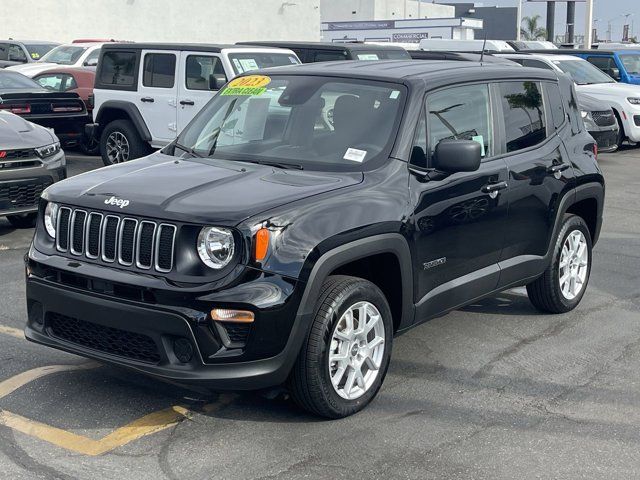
pixel 351 46
pixel 30 42
pixel 395 70
pixel 597 51
pixel 462 56
pixel 198 47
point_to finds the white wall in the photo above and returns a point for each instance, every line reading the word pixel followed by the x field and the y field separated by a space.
pixel 211 21
pixel 342 10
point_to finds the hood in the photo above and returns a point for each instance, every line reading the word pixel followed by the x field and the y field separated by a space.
pixel 32 69
pixel 220 192
pixel 610 89
pixel 17 133
pixel 587 103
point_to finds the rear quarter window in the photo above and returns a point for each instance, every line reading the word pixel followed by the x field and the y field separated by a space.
pixel 524 116
pixel 118 69
pixel 555 104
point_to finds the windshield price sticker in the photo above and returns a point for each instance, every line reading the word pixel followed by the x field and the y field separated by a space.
pixel 355 155
pixel 249 85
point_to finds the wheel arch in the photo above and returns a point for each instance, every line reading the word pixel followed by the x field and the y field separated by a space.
pixel 588 203
pixel 119 110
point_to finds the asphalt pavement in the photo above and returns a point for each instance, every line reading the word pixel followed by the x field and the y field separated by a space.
pixel 493 391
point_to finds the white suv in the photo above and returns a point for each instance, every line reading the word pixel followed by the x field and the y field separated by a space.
pixel 622 97
pixel 70 55
pixel 146 93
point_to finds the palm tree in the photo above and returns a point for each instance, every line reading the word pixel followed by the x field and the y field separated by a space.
pixel 532 30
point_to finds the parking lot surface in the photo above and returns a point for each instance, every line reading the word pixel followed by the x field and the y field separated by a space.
pixel 492 391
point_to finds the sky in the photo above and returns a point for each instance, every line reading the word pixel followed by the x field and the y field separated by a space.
pixel 603 11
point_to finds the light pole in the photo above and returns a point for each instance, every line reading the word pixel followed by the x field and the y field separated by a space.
pixel 519 21
pixel 588 22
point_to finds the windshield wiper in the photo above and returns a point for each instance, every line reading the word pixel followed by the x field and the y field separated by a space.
pixel 269 163
pixel 184 148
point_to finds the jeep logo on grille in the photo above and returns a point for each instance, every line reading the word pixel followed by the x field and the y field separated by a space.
pixel 118 202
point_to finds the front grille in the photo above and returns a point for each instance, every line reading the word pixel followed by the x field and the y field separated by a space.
pixel 23 194
pixel 237 332
pixel 17 154
pixel 604 118
pixel 636 120
pixel 144 244
pixel 104 339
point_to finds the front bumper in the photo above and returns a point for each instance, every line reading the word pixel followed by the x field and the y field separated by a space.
pixel 152 337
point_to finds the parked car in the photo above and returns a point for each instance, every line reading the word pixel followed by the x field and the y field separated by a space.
pixel 311 52
pixel 600 122
pixel 145 93
pixel 16 52
pixel 64 112
pixel 460 56
pixel 449 45
pixel 70 55
pixel 622 65
pixel 268 246
pixel 624 99
pixel 30 161
pixel 77 80
pixel 531 45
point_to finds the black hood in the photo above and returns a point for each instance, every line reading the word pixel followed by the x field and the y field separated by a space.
pixel 220 192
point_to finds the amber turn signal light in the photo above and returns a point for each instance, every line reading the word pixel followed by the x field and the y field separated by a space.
pixel 228 315
pixel 261 244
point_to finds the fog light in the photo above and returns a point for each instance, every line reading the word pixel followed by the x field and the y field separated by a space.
pixel 183 350
pixel 227 315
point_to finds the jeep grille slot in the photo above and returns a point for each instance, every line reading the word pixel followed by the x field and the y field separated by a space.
pixel 143 244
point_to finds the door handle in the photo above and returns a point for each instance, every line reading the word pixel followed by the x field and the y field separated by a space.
pixel 147 100
pixel 187 102
pixel 560 167
pixel 494 187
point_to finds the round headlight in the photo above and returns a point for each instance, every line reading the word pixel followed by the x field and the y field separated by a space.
pixel 215 247
pixel 51 218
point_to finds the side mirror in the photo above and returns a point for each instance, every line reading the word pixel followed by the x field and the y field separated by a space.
pixel 453 156
pixel 217 81
pixel 615 74
pixel 92 62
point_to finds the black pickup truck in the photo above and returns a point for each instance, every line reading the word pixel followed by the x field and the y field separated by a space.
pixel 309 214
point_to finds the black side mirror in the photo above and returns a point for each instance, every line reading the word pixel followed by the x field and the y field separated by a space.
pixel 614 73
pixel 93 62
pixel 453 156
pixel 217 81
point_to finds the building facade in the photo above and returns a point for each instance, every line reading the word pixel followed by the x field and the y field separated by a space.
pixel 499 23
pixel 364 10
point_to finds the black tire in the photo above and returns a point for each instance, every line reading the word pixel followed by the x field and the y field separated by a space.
pixel 310 382
pixel 90 146
pixel 23 220
pixel 545 293
pixel 137 147
pixel 621 135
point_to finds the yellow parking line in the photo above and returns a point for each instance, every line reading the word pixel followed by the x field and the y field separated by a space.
pixel 12 384
pixel 14 332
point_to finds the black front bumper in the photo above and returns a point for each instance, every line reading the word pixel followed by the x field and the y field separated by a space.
pixel 151 338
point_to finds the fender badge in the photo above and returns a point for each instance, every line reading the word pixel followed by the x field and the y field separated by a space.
pixel 434 263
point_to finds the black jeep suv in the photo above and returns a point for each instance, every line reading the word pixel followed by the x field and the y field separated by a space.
pixel 308 215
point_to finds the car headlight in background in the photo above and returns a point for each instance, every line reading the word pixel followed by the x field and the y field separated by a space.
pixel 634 100
pixel 584 114
pixel 51 218
pixel 589 123
pixel 48 150
pixel 215 247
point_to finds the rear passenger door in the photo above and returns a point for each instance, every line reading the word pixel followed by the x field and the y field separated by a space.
pixel 194 87
pixel 157 92
pixel 533 121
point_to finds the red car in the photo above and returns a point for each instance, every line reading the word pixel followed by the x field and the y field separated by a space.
pixel 78 80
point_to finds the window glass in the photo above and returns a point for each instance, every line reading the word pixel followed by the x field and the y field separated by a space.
pixel 16 53
pixel 419 149
pixel 4 51
pixel 64 54
pixel 92 58
pixel 159 70
pixel 329 56
pixel 54 82
pixel 118 68
pixel 581 72
pixel 460 113
pixel 556 104
pixel 15 80
pixel 245 62
pixel 200 68
pixel 319 123
pixel 38 51
pixel 603 63
pixel 536 64
pixel 631 62
pixel 523 111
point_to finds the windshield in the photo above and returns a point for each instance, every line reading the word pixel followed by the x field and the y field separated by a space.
pixel 245 62
pixel 582 72
pixel 316 123
pixel 38 51
pixel 64 55
pixel 631 63
pixel 16 81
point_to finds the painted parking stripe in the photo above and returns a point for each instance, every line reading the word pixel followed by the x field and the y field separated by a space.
pixel 12 384
pixel 13 332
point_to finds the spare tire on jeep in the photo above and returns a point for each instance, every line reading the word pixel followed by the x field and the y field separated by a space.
pixel 121 142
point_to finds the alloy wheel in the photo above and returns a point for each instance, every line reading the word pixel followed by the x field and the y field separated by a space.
pixel 574 265
pixel 117 147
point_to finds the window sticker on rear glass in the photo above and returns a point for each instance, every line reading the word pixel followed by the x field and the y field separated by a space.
pixel 394 94
pixel 249 85
pixel 35 55
pixel 355 155
pixel 367 56
pixel 248 64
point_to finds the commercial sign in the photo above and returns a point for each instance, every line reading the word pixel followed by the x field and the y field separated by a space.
pixel 409 37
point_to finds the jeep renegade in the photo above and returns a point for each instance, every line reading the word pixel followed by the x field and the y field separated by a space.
pixel 308 215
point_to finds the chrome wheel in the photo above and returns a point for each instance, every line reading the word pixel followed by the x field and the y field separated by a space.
pixel 574 265
pixel 356 350
pixel 117 147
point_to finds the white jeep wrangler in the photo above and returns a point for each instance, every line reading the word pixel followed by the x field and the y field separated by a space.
pixel 146 93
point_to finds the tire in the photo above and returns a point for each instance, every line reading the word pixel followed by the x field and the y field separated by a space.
pixel 621 136
pixel 547 293
pixel 90 147
pixel 23 220
pixel 123 136
pixel 310 381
